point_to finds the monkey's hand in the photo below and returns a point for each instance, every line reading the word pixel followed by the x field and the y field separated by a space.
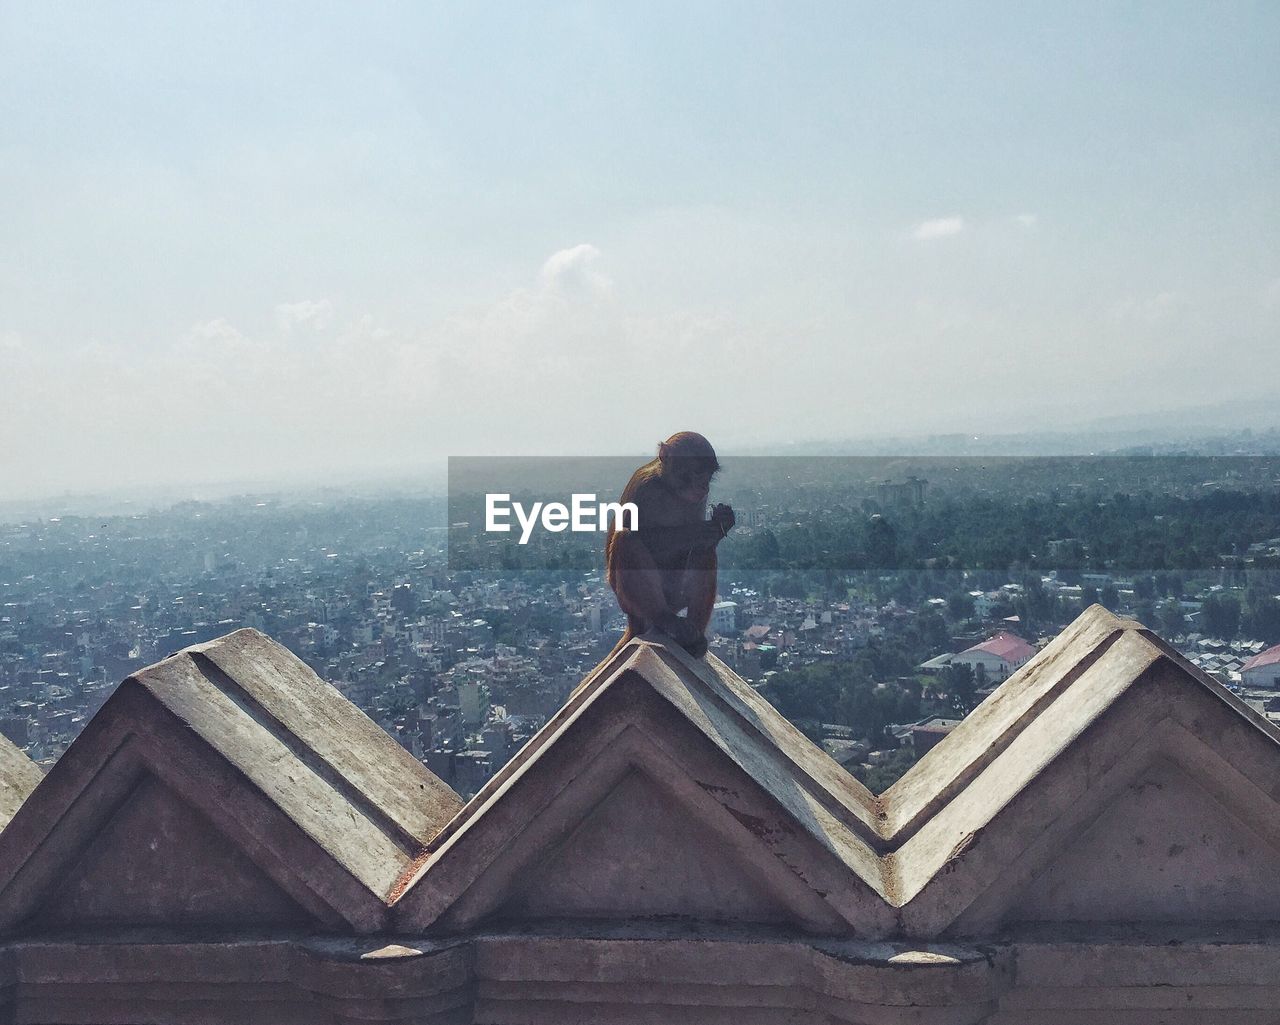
pixel 723 519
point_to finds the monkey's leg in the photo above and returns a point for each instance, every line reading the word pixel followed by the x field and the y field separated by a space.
pixel 700 593
pixel 638 583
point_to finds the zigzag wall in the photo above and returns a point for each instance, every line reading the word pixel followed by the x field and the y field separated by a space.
pixel 229 840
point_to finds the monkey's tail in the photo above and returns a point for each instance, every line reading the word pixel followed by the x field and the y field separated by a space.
pixel 633 630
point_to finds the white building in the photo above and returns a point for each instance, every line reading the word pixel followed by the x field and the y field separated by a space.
pixel 1263 670
pixel 997 658
pixel 724 617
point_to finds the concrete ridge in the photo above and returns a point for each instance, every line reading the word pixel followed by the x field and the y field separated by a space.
pixel 282 767
pixel 19 775
pixel 948 850
pixel 335 731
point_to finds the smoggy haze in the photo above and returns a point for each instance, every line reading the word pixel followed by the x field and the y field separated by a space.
pixel 323 238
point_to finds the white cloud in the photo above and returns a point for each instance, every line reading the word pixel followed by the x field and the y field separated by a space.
pixel 524 371
pixel 566 362
pixel 313 315
pixel 1027 221
pixel 214 333
pixel 938 228
pixel 564 306
pixel 575 271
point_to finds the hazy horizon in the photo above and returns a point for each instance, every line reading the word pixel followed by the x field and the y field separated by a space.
pixel 306 241
pixel 430 477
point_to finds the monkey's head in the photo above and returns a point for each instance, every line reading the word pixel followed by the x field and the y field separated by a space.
pixel 688 464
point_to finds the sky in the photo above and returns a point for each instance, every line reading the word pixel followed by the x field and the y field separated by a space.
pixel 300 241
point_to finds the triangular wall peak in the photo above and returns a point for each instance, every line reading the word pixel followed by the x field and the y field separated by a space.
pixel 269 771
pixel 650 744
pixel 947 849
pixel 972 862
pixel 159 861
pixel 1165 850
pixel 640 854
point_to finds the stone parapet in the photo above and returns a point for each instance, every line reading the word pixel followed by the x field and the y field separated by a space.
pixel 229 840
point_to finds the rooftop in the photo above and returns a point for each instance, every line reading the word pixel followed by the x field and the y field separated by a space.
pixel 1005 645
pixel 1269 657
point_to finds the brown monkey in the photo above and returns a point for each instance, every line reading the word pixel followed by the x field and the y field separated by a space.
pixel 669 562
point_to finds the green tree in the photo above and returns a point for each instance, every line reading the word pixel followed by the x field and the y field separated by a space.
pixel 879 778
pixel 1263 621
pixel 882 544
pixel 960 606
pixel 934 635
pixel 1220 616
pixel 961 687
pixel 1170 618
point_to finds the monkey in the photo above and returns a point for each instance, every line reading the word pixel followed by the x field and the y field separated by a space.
pixel 668 562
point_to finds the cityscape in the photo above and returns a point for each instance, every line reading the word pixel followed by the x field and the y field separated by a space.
pixel 463 666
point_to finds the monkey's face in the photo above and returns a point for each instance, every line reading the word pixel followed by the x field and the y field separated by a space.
pixel 690 479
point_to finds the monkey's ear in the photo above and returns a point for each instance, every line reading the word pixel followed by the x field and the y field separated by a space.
pixel 664 450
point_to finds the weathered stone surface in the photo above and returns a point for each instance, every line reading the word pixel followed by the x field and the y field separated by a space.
pixel 946 849
pixel 1164 850
pixel 206 879
pixel 1095 845
pixel 18 777
pixel 997 722
pixel 776 832
pixel 1135 704
pixel 279 766
pixel 650 857
pixel 338 741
